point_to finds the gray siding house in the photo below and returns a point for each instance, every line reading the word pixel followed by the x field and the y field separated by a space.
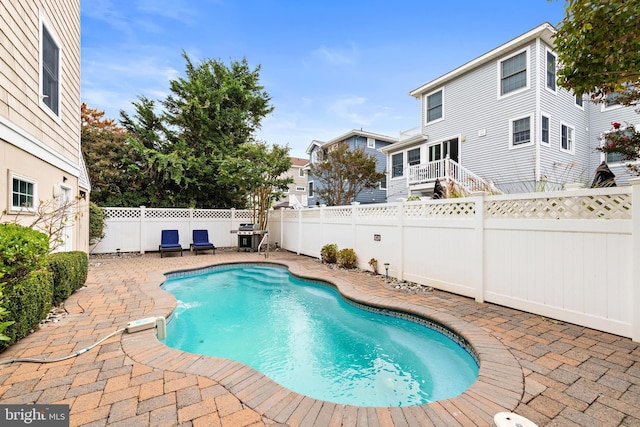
pixel 501 122
pixel 372 143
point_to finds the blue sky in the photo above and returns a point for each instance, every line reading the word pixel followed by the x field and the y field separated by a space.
pixel 329 66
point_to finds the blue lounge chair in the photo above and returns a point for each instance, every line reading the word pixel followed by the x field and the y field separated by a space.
pixel 201 241
pixel 170 242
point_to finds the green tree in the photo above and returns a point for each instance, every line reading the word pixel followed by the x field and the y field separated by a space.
pixel 598 45
pixel 344 174
pixel 114 167
pixel 209 114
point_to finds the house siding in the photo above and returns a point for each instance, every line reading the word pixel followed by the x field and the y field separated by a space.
pixel 475 112
pixel 35 143
pixel 367 196
pixel 601 121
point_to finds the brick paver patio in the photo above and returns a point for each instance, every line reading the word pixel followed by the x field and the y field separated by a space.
pixel 552 373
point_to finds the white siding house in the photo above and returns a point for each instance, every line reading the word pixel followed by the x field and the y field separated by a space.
pixel 501 121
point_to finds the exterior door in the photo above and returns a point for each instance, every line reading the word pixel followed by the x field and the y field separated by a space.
pixel 443 149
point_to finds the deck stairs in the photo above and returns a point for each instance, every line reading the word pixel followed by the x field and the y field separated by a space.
pixel 454 177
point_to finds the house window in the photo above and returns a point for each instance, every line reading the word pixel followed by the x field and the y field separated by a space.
pixel 371 143
pixel 545 130
pixel 300 188
pixel 413 157
pixel 383 183
pixel 567 137
pixel 551 71
pixel 579 101
pixel 434 106
pixel 50 71
pixel 397 165
pixel 23 193
pixel 521 131
pixel 301 173
pixel 513 73
pixel 311 189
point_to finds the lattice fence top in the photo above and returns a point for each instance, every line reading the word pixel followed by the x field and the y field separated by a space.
pixel 378 212
pixel 212 214
pixel 339 212
pixel 288 213
pixel 122 213
pixel 166 213
pixel 599 206
pixel 449 210
pixel 244 214
pixel 310 213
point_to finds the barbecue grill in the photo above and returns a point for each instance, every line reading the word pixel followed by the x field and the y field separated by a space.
pixel 249 237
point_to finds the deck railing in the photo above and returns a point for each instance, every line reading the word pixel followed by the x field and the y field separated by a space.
pixel 446 169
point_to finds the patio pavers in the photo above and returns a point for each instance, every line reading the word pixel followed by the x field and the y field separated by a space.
pixel 551 372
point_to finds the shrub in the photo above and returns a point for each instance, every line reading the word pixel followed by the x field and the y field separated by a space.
pixel 97 218
pixel 69 271
pixel 28 301
pixel 329 252
pixel 22 250
pixel 3 314
pixel 347 258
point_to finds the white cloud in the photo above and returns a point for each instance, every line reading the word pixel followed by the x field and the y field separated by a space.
pixel 358 111
pixel 337 55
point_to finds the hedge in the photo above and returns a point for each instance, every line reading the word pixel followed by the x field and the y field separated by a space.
pixel 22 250
pixel 69 273
pixel 28 301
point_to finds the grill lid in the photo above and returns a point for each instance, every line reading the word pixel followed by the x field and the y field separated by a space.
pixel 248 227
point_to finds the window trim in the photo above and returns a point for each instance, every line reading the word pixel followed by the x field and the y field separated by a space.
pixel 570 142
pixel 21 209
pixel 310 190
pixel 301 172
pixel 44 25
pixel 605 107
pixel 401 174
pixel 531 134
pixel 301 188
pixel 575 102
pixel 548 52
pixel 542 141
pixel 386 183
pixel 499 62
pixel 426 106
pixel 371 143
pixel 419 150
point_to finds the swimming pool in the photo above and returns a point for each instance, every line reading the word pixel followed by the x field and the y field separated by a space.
pixel 305 336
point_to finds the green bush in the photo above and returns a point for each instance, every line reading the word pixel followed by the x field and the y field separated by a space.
pixel 329 252
pixel 69 273
pixel 347 258
pixel 97 218
pixel 28 301
pixel 22 250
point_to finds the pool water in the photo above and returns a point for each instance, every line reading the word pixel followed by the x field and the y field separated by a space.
pixel 304 336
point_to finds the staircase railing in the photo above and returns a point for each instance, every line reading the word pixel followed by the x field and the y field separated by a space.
pixel 449 170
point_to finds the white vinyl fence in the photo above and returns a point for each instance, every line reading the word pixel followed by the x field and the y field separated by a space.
pixel 139 229
pixel 570 255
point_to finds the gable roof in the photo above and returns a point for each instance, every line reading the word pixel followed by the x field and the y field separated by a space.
pixel 298 162
pixel 352 133
pixel 545 31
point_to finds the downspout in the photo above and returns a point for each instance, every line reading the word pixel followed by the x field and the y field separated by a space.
pixel 538 113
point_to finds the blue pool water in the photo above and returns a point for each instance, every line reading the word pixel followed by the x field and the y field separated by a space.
pixel 304 336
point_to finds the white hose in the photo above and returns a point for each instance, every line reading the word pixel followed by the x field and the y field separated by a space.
pixel 84 350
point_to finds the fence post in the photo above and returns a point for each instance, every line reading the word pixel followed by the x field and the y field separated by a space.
pixel 635 256
pixel 142 228
pixel 477 263
pixel 299 232
pixel 400 268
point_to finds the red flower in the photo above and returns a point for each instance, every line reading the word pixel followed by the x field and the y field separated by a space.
pixel 616 125
pixel 610 143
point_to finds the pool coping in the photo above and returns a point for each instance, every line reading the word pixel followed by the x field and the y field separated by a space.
pixel 498 388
